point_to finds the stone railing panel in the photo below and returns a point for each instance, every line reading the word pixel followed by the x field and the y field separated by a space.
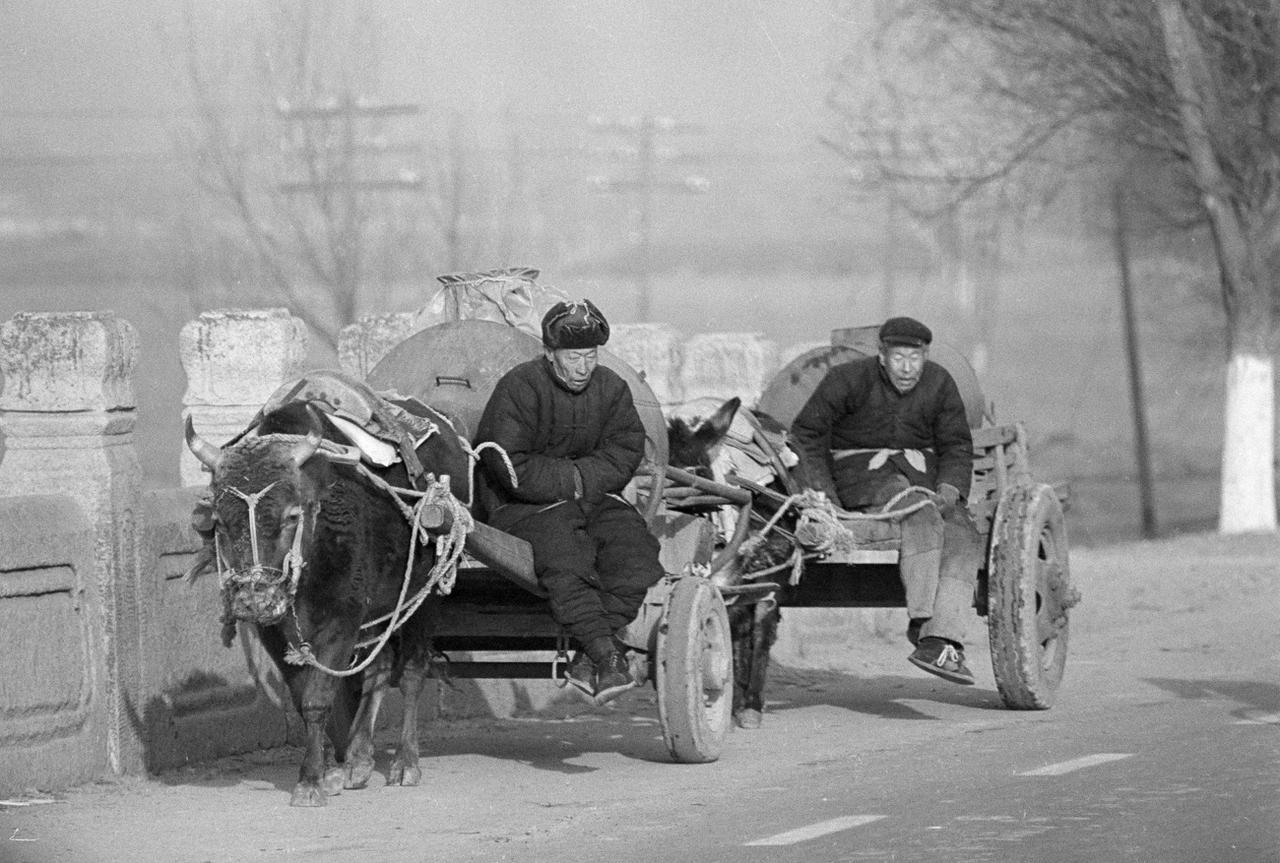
pixel 55 719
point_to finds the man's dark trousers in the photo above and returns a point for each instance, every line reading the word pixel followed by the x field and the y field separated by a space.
pixel 596 562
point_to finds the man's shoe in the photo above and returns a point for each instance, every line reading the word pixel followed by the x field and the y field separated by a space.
pixel 913 630
pixel 613 678
pixel 941 657
pixel 748 719
pixel 581 673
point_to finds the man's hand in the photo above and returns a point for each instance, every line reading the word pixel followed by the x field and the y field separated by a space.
pixel 948 497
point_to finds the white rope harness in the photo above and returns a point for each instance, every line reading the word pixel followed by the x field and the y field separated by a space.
pixel 819 527
pixel 449 548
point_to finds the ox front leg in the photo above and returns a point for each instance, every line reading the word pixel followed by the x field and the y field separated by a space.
pixel 319 776
pixel 315 780
pixel 404 768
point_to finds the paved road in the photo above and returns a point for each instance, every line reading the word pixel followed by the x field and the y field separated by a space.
pixel 1164 746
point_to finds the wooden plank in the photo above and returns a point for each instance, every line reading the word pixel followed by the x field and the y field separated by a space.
pixel 507 555
pixel 734 495
pixel 863 555
pixel 989 436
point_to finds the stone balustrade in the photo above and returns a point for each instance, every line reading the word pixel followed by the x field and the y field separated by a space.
pixel 110 662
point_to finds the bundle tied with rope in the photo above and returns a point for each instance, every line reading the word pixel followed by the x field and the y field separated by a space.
pixel 823 529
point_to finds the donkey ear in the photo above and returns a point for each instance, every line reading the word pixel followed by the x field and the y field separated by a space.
pixel 717 425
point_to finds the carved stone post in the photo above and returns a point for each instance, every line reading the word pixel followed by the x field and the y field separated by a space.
pixel 362 344
pixel 720 365
pixel 654 350
pixel 67 411
pixel 234 359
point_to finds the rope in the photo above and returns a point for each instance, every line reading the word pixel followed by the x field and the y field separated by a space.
pixel 819 528
pixel 474 456
pixel 449 549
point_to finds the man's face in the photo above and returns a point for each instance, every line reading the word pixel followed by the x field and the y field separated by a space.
pixel 903 365
pixel 574 366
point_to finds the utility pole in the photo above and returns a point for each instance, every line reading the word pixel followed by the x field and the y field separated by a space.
pixel 641 148
pixel 326 137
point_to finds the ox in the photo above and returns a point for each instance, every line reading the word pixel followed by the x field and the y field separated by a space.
pixel 323 557
pixel 702 447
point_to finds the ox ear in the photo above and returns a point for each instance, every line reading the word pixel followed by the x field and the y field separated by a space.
pixel 208 454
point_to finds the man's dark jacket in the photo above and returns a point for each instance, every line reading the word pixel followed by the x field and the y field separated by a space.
pixel 857 407
pixel 547 431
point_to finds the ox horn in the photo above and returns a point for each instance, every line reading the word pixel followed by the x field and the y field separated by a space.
pixel 210 456
pixel 307 448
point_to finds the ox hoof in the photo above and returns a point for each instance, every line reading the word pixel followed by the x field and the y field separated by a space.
pixel 356 773
pixel 748 719
pixel 307 794
pixel 404 774
pixel 332 782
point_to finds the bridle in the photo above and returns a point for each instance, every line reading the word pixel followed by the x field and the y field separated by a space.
pixel 276 586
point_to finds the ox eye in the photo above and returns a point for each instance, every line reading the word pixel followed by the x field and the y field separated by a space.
pixel 291 516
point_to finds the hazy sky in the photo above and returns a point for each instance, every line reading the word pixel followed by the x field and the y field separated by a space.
pixel 742 62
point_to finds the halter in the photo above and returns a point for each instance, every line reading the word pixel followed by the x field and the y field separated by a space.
pixel 270 590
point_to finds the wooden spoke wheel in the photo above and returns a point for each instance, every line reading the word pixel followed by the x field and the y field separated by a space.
pixel 694 672
pixel 1029 596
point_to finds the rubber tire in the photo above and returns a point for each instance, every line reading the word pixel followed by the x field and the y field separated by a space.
pixel 1028 590
pixel 694 672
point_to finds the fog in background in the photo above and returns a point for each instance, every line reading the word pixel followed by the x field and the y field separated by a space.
pixel 760 229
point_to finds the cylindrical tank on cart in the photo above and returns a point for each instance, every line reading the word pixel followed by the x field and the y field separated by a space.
pixel 454 366
pixel 791 387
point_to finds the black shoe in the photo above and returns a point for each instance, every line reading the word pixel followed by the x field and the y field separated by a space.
pixel 913 630
pixel 943 658
pixel 613 678
pixel 581 673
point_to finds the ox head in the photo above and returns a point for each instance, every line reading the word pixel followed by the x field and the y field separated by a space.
pixel 265 496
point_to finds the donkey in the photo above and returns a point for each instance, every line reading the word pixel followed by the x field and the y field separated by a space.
pixel 702 447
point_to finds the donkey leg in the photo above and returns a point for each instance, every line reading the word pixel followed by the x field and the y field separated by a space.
pixel 764 632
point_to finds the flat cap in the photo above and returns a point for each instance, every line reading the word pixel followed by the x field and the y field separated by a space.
pixel 905 331
pixel 574 325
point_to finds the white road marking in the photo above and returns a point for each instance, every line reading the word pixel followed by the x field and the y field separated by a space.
pixel 1077 764
pixel 813 831
pixel 1257 717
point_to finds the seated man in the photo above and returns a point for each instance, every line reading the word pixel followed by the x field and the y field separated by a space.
pixel 575 439
pixel 877 426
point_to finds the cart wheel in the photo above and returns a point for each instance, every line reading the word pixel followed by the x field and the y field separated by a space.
pixel 1029 595
pixel 694 672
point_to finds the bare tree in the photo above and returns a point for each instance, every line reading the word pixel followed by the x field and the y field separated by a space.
pixel 1192 84
pixel 320 196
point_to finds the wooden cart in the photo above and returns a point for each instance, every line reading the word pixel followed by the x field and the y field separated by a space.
pixel 496 622
pixel 1024 587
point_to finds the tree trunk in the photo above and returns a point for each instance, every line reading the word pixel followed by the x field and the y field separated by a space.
pixel 1248 448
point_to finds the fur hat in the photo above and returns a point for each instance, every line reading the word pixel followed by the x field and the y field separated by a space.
pixel 905 331
pixel 574 325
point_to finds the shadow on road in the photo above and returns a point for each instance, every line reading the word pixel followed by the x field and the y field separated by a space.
pixel 883 696
pixel 1257 696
